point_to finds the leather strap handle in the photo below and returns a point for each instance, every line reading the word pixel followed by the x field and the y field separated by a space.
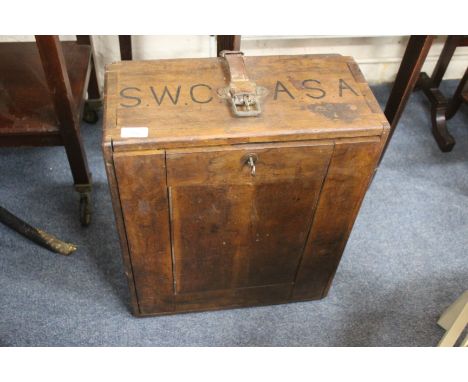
pixel 236 65
pixel 242 91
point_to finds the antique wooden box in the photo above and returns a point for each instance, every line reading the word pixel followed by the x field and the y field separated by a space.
pixel 237 184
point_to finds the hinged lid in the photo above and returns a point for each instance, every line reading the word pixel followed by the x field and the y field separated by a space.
pixel 183 102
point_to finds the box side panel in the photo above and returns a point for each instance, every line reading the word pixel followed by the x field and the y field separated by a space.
pixel 110 106
pixel 109 164
pixel 141 179
pixel 351 169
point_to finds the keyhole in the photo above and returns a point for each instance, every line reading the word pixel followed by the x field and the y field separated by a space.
pixel 252 158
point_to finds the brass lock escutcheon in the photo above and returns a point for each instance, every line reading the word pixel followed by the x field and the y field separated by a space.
pixel 243 94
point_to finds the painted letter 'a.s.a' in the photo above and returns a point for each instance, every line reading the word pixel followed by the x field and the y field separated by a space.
pixel 343 85
pixel 318 92
pixel 280 88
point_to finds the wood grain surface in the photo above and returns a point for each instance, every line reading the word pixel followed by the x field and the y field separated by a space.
pixel 251 228
pixel 27 106
pixel 200 230
pixel 143 196
pixel 309 97
pixel 340 200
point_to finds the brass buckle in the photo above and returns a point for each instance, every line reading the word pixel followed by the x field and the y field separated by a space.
pixel 245 104
pixel 243 94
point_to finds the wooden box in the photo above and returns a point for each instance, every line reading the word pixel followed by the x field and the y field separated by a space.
pixel 237 185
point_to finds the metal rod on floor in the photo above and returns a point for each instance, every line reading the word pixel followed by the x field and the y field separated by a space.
pixel 40 237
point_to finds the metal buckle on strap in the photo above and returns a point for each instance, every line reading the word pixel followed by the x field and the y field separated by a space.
pixel 243 94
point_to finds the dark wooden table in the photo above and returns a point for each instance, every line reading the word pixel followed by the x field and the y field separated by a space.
pixel 44 86
pixel 442 109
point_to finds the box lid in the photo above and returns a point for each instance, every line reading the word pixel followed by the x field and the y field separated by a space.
pixel 177 103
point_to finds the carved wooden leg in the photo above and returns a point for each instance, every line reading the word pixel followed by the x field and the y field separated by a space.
pixel 444 139
pixel 439 105
pixel 441 109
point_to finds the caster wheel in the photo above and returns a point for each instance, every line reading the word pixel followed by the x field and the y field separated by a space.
pixel 85 210
pixel 90 115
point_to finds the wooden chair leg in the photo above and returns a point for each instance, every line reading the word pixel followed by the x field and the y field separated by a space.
pixel 408 74
pixel 58 83
pixel 227 42
pixel 125 43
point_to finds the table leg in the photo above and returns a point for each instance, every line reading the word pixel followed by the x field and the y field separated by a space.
pixel 441 109
pixel 93 86
pixel 439 105
pixel 444 59
pixel 125 43
pixel 458 97
pixel 408 74
pixel 58 82
pixel 227 42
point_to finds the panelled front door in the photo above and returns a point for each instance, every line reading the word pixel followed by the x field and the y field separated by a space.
pixel 239 219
